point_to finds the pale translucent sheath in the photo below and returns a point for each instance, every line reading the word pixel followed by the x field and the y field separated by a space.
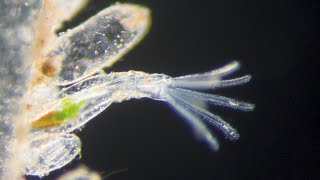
pixel 65 85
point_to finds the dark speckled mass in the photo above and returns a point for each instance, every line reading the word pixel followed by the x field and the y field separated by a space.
pixel 105 40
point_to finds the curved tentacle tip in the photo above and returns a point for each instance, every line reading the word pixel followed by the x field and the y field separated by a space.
pixel 192 105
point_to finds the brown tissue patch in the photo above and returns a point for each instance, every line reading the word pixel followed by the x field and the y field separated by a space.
pixel 48 69
pixel 46 121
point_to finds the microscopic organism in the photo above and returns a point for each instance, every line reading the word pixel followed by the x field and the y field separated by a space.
pixel 67 86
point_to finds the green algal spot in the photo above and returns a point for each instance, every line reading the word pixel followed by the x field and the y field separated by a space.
pixel 69 111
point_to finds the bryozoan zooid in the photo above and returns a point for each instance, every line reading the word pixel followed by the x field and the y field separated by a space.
pixel 66 86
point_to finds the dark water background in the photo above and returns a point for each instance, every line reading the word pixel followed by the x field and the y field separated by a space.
pixel 276 42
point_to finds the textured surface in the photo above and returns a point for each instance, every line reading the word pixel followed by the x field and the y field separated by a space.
pixel 16 35
pixel 99 42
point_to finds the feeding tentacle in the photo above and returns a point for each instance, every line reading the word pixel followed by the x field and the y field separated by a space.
pixel 192 105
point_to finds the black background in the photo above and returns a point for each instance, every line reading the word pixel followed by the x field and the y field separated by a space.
pixel 275 41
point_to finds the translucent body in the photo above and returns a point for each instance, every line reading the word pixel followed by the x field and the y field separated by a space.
pixel 67 86
pixel 101 90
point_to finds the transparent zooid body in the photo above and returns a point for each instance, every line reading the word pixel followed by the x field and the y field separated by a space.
pixel 67 87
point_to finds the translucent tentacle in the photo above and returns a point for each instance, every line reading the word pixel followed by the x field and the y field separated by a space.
pixel 195 122
pixel 215 120
pixel 223 71
pixel 207 80
pixel 235 81
pixel 192 105
pixel 214 99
